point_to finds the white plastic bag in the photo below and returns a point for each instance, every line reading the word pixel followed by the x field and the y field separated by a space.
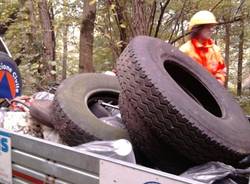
pixel 217 173
pixel 51 135
pixel 43 95
pixel 2 114
pixel 21 122
pixel 119 149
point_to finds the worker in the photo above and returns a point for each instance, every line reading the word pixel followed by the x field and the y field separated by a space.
pixel 202 48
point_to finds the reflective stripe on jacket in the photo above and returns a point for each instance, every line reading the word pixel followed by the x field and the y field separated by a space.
pixel 208 55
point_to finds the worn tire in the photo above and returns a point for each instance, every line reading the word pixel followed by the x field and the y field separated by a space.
pixel 10 77
pixel 185 106
pixel 73 119
pixel 147 147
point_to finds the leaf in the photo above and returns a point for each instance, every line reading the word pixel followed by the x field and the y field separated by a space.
pixel 53 72
pixel 107 36
pixel 112 7
pixel 123 26
pixel 150 2
pixel 119 43
pixel 92 2
pixel 53 63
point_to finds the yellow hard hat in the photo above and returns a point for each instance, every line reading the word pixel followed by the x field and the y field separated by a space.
pixel 202 17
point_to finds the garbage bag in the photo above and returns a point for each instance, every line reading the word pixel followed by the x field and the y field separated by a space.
pixel 99 111
pixel 113 121
pixel 119 149
pixel 43 95
pixel 217 173
pixel 2 115
pixel 51 135
pixel 20 122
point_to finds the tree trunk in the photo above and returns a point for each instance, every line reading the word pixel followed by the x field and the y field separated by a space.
pixel 65 40
pixel 52 18
pixel 65 52
pixel 87 37
pixel 32 18
pixel 48 69
pixel 139 22
pixel 120 20
pixel 240 60
pixel 227 51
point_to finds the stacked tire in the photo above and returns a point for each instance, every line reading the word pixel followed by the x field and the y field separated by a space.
pixel 78 122
pixel 176 114
pixel 175 107
pixel 75 120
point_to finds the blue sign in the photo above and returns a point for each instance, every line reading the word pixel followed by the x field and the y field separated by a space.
pixel 4 142
pixel 10 82
pixel 5 158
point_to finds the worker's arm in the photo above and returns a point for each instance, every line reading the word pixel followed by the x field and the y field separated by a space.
pixel 221 69
pixel 221 73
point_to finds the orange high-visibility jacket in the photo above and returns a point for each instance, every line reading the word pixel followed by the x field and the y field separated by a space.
pixel 208 55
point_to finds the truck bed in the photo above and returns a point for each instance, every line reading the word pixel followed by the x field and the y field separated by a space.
pixel 38 161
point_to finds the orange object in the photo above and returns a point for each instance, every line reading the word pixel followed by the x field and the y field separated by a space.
pixel 208 55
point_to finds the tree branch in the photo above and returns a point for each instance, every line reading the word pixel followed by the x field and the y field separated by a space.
pixel 182 27
pixel 238 9
pixel 177 20
pixel 153 11
pixel 119 18
pixel 220 23
pixel 163 8
pixel 236 19
pixel 216 5
pixel 180 37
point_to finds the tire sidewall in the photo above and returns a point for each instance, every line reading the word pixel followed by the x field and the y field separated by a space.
pixel 75 91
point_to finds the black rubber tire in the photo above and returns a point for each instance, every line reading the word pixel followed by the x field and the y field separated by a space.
pixel 73 119
pixel 9 66
pixel 3 53
pixel 155 76
pixel 148 149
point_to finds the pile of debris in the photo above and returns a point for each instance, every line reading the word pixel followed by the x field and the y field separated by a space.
pixel 174 113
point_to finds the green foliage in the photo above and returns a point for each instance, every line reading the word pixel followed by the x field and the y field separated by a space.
pixel 107 44
pixel 244 102
pixel 102 55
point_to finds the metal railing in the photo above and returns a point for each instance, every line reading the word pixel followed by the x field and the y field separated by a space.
pixel 38 161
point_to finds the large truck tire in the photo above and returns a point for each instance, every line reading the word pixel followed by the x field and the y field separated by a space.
pixel 73 118
pixel 148 149
pixel 183 104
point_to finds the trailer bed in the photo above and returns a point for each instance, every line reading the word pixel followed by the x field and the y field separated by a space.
pixel 38 161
